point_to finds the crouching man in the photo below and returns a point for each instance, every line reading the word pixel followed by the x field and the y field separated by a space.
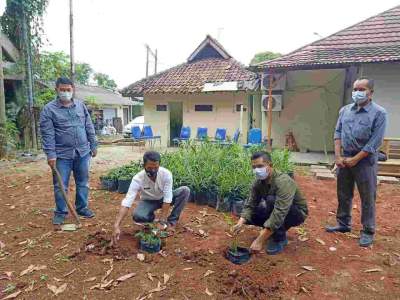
pixel 275 203
pixel 154 184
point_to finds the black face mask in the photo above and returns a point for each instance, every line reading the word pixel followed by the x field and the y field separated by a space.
pixel 151 173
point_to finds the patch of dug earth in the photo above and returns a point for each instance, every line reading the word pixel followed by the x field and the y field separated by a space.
pixel 99 243
pixel 233 284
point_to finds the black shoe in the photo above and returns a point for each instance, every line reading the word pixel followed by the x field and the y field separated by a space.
pixel 86 213
pixel 366 239
pixel 338 228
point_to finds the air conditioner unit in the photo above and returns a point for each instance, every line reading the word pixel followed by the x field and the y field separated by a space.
pixel 278 81
pixel 276 102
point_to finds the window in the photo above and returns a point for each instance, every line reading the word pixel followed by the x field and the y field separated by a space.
pixel 203 107
pixel 161 107
pixel 238 107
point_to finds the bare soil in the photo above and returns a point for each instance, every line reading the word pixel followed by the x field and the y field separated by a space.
pixel 75 258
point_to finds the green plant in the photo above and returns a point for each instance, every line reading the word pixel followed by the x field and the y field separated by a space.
pixel 9 288
pixel 44 277
pixel 281 159
pixel 235 242
pixel 148 235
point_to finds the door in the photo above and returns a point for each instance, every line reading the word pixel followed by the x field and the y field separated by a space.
pixel 251 111
pixel 175 120
pixel 126 115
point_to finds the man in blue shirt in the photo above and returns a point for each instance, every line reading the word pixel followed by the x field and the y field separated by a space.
pixel 69 140
pixel 359 134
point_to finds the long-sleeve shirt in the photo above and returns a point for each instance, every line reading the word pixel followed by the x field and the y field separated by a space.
pixel 361 129
pixel 66 130
pixel 161 189
pixel 286 193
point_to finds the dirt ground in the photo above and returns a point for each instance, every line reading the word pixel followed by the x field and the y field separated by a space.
pixel 192 265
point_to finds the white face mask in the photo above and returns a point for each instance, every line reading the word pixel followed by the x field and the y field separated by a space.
pixel 359 97
pixel 65 96
pixel 261 173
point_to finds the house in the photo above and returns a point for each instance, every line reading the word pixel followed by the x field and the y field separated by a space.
pixel 312 83
pixel 208 90
pixel 108 107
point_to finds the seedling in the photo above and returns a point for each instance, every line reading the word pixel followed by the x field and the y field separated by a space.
pixel 235 243
pixel 9 288
pixel 44 277
pixel 148 235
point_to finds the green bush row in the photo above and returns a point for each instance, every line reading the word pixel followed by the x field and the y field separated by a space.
pixel 223 170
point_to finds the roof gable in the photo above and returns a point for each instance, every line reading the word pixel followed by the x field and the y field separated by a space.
pixel 376 39
pixel 209 48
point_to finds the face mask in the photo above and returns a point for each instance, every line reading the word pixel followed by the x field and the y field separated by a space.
pixel 151 173
pixel 65 96
pixel 261 173
pixel 359 97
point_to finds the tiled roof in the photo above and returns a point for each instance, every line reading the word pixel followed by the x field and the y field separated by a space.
pixel 190 77
pixel 376 39
pixel 101 95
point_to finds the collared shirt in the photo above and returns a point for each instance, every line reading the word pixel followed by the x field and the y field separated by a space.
pixel 361 129
pixel 66 130
pixel 161 189
pixel 286 193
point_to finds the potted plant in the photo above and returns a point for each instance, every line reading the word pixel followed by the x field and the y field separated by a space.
pixel 148 239
pixel 236 254
pixel 109 182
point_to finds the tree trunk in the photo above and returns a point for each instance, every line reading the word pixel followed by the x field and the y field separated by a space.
pixel 3 117
pixel 29 79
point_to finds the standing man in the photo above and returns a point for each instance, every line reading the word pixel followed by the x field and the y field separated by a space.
pixel 359 133
pixel 69 141
pixel 154 184
pixel 275 204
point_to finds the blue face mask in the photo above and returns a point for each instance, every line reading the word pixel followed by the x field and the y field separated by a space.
pixel 359 97
pixel 261 173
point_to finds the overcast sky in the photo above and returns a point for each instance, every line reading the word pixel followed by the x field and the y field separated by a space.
pixel 110 34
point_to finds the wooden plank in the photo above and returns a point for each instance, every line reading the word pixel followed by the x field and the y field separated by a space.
pixel 10 49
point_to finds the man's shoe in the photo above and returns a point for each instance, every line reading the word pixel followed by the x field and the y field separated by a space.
pixel 274 247
pixel 58 219
pixel 366 239
pixel 338 228
pixel 86 213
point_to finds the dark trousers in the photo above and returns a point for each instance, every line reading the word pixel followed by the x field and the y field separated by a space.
pixel 364 174
pixel 295 217
pixel 144 212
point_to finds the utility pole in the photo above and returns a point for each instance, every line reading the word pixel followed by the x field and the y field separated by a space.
pixel 3 117
pixel 154 54
pixel 28 71
pixel 71 41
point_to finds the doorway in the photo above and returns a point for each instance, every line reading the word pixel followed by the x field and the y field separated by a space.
pixel 175 120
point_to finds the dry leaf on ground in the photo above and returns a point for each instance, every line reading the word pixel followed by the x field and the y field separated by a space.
pixel 150 276
pixel 125 277
pixel 140 256
pixel 320 241
pixel 31 269
pixel 69 273
pixel 209 272
pixel 2 245
pixel 12 296
pixel 90 279
pixel 166 278
pixel 373 270
pixel 187 269
pixel 57 290
pixel 208 292
pixel 308 268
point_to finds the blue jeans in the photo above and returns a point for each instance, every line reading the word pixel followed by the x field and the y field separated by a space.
pixel 79 166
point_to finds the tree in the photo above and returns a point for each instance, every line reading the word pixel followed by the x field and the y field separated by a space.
pixel 104 81
pixel 264 56
pixel 83 71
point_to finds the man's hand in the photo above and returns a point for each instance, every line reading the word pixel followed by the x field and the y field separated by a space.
pixel 259 242
pixel 235 229
pixel 340 162
pixel 52 163
pixel 116 234
pixel 350 161
pixel 94 152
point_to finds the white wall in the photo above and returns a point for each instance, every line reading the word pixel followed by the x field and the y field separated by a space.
pixel 387 92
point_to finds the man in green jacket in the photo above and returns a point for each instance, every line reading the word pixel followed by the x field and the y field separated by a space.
pixel 275 203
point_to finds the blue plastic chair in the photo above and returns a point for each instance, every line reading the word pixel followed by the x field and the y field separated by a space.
pixel 220 134
pixel 184 135
pixel 254 138
pixel 235 139
pixel 148 134
pixel 201 133
pixel 136 133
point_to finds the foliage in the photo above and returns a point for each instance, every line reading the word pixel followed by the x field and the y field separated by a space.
pixel 235 242
pixel 44 96
pixel 282 160
pixel 104 81
pixel 83 71
pixel 264 56
pixel 148 235
pixel 91 102
pixel 12 134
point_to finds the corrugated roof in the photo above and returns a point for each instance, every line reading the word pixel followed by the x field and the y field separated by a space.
pixel 376 39
pixel 190 77
pixel 101 95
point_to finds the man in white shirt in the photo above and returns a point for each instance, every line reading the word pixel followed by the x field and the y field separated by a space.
pixel 154 185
